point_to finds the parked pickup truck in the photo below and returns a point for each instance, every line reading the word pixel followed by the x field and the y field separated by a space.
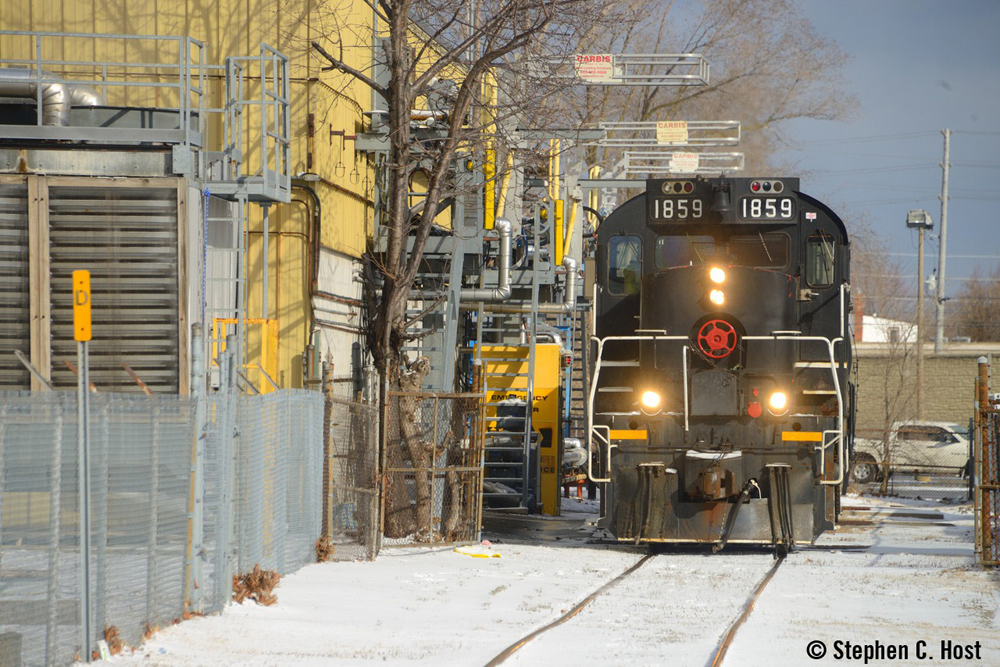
pixel 921 445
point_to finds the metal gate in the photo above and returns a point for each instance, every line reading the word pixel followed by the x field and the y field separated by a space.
pixel 987 427
pixel 432 463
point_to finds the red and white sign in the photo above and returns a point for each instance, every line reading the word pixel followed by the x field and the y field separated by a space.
pixel 684 162
pixel 599 67
pixel 671 132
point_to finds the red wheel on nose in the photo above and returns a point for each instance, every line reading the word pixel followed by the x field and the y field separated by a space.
pixel 717 339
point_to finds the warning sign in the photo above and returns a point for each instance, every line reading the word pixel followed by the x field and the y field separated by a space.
pixel 599 67
pixel 672 132
pixel 684 162
pixel 81 305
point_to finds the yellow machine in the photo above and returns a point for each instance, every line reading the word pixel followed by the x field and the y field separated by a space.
pixel 506 373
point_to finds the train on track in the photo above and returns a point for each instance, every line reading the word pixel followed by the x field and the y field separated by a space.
pixel 721 405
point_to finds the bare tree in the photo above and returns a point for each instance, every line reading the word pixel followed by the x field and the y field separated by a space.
pixel 427 41
pixel 978 312
pixel 889 390
pixel 768 66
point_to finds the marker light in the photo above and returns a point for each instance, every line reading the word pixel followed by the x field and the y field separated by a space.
pixel 778 402
pixel 650 400
pixel 717 297
pixel 717 275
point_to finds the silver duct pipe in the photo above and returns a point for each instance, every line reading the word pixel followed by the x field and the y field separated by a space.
pixel 567 307
pixel 502 291
pixel 486 294
pixel 57 96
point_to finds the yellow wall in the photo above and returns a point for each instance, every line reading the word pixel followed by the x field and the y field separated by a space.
pixel 236 28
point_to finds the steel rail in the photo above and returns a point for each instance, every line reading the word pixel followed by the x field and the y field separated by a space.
pixel 513 648
pixel 727 638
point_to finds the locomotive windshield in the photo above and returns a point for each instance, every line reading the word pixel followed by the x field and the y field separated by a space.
pixel 624 265
pixel 767 251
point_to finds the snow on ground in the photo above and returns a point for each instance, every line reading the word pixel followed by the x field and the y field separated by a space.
pixel 918 582
pixel 441 606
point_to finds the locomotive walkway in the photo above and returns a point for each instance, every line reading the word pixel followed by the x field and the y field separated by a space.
pixel 894 577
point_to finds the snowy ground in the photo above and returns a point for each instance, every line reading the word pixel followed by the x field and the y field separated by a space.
pixel 916 582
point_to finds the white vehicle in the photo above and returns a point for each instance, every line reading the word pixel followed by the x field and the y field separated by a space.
pixel 921 445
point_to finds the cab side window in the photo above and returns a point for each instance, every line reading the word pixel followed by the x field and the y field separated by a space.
pixel 819 260
pixel 624 265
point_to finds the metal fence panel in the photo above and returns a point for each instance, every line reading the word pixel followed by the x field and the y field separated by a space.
pixel 352 466
pixel 140 481
pixel 433 467
pixel 258 493
pixel 924 460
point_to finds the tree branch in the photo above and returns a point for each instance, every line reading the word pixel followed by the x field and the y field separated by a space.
pixel 336 64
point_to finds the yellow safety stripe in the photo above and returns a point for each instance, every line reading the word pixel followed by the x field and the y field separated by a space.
pixel 802 436
pixel 627 434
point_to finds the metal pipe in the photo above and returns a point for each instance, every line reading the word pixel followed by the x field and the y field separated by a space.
pixel 57 96
pixel 567 307
pixel 487 294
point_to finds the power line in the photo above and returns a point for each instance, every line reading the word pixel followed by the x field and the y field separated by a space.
pixel 870 138
pixel 913 254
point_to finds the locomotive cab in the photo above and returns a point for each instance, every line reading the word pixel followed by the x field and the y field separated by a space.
pixel 720 397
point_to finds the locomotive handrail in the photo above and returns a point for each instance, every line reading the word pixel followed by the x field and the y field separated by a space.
pixel 593 392
pixel 823 447
pixel 590 457
pixel 774 336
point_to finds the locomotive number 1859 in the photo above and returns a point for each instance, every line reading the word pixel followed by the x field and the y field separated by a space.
pixel 677 209
pixel 766 208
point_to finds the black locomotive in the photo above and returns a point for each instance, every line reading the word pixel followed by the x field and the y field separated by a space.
pixel 721 406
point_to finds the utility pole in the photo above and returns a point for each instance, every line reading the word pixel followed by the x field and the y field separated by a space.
pixel 939 337
pixel 920 220
pixel 920 327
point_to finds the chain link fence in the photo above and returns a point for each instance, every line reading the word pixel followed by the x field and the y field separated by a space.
pixel 920 460
pixel 351 466
pixel 433 468
pixel 176 509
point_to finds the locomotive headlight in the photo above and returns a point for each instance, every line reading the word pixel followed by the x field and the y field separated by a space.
pixel 717 275
pixel 717 297
pixel 778 402
pixel 650 400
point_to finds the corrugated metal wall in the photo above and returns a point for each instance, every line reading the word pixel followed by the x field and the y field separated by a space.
pixel 127 239
pixel 15 315
pixel 131 235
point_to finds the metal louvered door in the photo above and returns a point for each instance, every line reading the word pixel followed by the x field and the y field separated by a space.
pixel 127 237
pixel 15 307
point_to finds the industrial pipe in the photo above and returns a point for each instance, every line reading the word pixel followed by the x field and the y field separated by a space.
pixel 567 307
pixel 57 96
pixel 486 294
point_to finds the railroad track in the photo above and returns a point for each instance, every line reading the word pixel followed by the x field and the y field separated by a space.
pixel 727 636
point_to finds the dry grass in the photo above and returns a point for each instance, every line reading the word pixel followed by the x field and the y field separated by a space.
pixel 256 585
pixel 115 644
pixel 324 550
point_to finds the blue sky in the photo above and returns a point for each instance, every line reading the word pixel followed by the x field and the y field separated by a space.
pixel 917 67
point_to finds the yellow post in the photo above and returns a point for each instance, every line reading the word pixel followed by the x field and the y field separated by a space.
pixel 489 185
pixel 504 183
pixel 569 229
pixel 558 233
pixel 595 172
pixel 489 94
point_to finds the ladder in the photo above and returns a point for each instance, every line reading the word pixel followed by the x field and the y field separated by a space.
pixel 224 279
